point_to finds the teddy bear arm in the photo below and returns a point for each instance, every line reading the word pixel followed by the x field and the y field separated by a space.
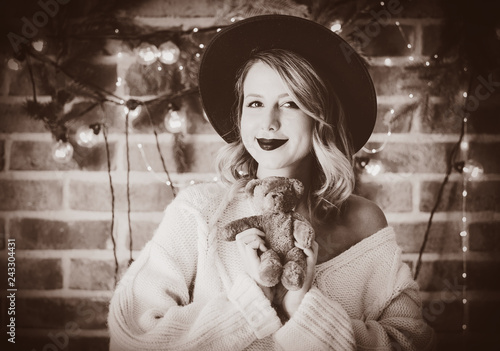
pixel 303 232
pixel 235 227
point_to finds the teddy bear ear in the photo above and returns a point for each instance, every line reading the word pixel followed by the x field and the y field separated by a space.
pixel 251 186
pixel 298 187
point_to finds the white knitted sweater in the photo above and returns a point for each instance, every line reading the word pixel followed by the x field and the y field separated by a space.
pixel 188 291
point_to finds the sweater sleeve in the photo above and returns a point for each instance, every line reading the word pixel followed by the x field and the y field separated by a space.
pixel 400 324
pixel 152 308
pixel 394 322
pixel 319 324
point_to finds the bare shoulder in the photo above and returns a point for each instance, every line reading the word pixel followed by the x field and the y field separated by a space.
pixel 362 216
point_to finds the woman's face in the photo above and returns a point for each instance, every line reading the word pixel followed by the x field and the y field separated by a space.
pixel 276 133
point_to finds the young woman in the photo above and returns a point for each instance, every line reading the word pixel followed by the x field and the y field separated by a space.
pixel 292 99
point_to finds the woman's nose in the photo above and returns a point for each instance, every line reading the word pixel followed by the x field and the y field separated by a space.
pixel 271 120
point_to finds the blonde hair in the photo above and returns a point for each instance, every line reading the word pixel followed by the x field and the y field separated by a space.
pixel 332 148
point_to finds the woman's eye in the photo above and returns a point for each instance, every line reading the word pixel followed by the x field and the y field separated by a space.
pixel 255 104
pixel 290 104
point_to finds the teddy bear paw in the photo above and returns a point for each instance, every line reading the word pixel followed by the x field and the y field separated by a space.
pixel 293 276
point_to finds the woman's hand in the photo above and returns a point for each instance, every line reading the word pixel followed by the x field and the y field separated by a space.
pixel 290 300
pixel 249 242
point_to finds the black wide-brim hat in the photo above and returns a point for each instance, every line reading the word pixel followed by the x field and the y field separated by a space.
pixel 332 57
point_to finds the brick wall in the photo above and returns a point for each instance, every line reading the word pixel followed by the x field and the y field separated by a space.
pixel 60 215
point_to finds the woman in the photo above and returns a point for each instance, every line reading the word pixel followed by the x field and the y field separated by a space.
pixel 304 104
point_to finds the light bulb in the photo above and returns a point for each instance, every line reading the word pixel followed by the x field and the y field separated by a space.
pixel 14 64
pixel 174 121
pixel 147 53
pixel 373 168
pixel 169 53
pixel 388 62
pixel 132 113
pixel 62 152
pixel 86 137
pixel 472 169
pixel 336 26
pixel 39 45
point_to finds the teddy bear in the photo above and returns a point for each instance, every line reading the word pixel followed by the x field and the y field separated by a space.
pixel 277 198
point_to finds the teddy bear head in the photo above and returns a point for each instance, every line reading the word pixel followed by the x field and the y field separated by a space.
pixel 275 194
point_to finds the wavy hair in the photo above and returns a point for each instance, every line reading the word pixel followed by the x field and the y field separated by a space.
pixel 332 148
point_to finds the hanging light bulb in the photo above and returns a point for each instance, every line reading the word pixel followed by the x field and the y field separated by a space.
pixel 336 26
pixel 62 152
pixel 147 53
pixel 39 45
pixel 174 121
pixel 370 167
pixel 86 136
pixel 133 113
pixel 133 108
pixel 169 53
pixel 14 64
pixel 472 169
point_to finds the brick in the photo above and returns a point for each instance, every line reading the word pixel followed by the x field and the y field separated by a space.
pixel 414 158
pixel 400 121
pixel 52 313
pixel 443 236
pixel 441 275
pixel 142 232
pixel 464 341
pixel 2 155
pixel 33 155
pixel 96 196
pixel 178 8
pixel 480 273
pixel 484 236
pixel 447 275
pixel 20 82
pixel 484 316
pixel 391 197
pixel 443 314
pixel 30 195
pixel 392 81
pixel 421 9
pixel 39 273
pixel 36 155
pixel 88 274
pixel 441 119
pixel 199 155
pixel 43 234
pixel 431 39
pixel 379 39
pixel 486 154
pixel 482 196
pixel 13 118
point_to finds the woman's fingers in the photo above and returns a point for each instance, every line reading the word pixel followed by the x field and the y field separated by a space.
pixel 252 238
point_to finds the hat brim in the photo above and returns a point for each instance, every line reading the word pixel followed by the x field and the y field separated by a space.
pixel 327 52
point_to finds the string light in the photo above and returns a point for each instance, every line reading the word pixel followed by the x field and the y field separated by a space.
pixel 86 136
pixel 133 109
pixel 39 45
pixel 169 53
pixel 62 152
pixel 174 121
pixel 336 26
pixel 14 64
pixel 388 62
pixel 147 53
